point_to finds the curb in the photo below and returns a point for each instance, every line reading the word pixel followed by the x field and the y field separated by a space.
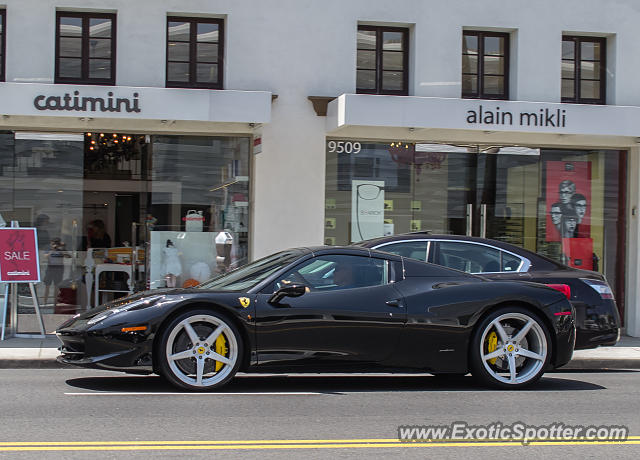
pixel 38 363
pixel 602 364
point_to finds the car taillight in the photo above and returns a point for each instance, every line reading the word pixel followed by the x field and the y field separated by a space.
pixel 601 287
pixel 564 288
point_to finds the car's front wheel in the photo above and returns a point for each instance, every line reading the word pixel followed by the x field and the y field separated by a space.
pixel 510 348
pixel 200 350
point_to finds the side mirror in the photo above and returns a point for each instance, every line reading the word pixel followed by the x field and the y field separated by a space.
pixel 293 290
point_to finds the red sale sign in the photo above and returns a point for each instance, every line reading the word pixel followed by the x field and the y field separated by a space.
pixel 19 256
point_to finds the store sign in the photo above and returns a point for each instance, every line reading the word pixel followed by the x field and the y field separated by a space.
pixel 77 103
pixel 544 117
pixel 19 256
pixel 375 116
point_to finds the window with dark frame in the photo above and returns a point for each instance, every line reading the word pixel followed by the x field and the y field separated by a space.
pixel 85 48
pixel 583 69
pixel 3 27
pixel 382 60
pixel 485 65
pixel 195 52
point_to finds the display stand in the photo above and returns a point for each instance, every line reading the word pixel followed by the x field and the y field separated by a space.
pixel 11 290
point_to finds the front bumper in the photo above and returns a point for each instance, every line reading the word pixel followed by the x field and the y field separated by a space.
pixel 126 352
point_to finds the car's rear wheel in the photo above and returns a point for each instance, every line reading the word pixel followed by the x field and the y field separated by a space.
pixel 510 348
pixel 200 350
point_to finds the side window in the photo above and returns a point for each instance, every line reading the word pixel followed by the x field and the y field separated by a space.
pixel 467 257
pixel 411 249
pixel 337 272
pixel 510 263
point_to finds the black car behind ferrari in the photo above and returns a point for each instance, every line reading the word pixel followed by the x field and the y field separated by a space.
pixel 597 317
pixel 330 309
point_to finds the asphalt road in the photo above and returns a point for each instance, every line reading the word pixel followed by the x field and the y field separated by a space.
pixel 267 416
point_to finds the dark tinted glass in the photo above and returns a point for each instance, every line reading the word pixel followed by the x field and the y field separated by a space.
pixel 178 51
pixel 207 32
pixel 366 39
pixel 71 68
pixel 366 79
pixel 333 272
pixel 100 48
pixel 467 257
pixel 178 71
pixel 207 52
pixel 99 68
pixel 366 59
pixel 179 31
pixel 70 26
pixel 411 249
pixel 70 47
pixel 100 27
pixel 207 73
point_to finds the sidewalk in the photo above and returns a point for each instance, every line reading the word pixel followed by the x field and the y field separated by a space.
pixel 41 353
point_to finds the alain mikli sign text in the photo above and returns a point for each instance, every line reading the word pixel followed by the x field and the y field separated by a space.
pixel 495 116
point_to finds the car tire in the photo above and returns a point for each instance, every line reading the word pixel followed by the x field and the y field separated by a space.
pixel 199 350
pixel 510 348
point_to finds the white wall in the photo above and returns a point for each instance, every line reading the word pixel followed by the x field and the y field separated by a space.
pixel 297 48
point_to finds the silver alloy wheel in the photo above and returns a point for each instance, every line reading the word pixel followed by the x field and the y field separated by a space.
pixel 190 350
pixel 522 346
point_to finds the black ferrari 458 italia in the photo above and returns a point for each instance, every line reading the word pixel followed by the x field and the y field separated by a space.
pixel 597 318
pixel 330 309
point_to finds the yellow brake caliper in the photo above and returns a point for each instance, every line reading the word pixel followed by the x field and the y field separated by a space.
pixel 492 345
pixel 221 349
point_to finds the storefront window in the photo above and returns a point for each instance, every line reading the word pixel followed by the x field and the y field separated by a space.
pixel 564 204
pixel 118 213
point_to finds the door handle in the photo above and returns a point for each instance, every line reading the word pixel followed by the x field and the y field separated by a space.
pixel 394 303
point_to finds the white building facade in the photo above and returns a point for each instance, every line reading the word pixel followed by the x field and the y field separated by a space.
pixel 210 133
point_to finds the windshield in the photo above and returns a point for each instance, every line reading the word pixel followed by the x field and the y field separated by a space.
pixel 248 276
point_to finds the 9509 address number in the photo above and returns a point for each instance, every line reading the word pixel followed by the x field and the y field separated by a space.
pixel 344 147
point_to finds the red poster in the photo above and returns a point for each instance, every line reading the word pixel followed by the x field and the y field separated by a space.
pixel 19 256
pixel 578 252
pixel 568 190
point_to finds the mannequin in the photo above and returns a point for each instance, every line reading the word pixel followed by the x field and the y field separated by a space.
pixel 171 266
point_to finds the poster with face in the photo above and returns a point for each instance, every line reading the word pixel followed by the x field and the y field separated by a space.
pixel 568 191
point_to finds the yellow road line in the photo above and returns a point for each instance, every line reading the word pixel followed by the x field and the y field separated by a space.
pixel 281 444
pixel 253 441
pixel 267 441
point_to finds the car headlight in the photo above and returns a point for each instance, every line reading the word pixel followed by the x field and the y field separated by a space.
pixel 136 304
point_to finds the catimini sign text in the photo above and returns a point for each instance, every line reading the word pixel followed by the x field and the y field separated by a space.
pixel 76 102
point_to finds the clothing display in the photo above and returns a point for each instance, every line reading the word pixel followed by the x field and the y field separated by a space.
pixel 171 260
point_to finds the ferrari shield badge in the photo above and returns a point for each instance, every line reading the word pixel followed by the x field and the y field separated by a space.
pixel 244 301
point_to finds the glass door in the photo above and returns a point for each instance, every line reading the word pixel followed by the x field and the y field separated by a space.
pixel 505 203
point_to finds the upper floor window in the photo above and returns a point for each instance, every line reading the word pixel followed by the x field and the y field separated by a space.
pixel 195 52
pixel 583 69
pixel 485 65
pixel 3 26
pixel 85 48
pixel 383 60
